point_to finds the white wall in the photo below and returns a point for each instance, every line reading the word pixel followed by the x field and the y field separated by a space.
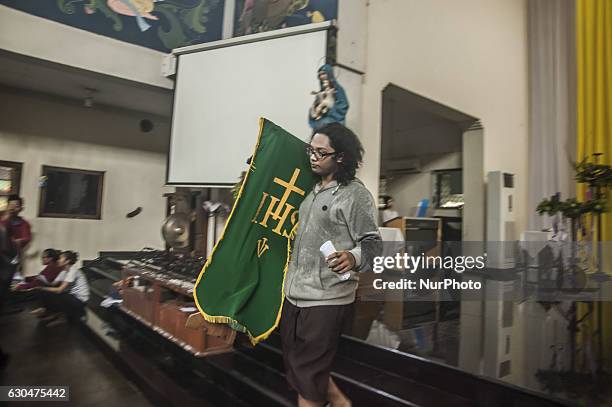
pixel 38 37
pixel 352 35
pixel 39 130
pixel 353 87
pixel 470 55
pixel 474 208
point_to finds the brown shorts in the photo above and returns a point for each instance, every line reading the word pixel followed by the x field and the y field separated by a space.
pixel 310 339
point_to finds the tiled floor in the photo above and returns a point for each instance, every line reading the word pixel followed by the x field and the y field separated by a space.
pixel 63 356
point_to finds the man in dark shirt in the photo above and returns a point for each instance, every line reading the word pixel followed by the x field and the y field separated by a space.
pixel 20 231
pixel 20 228
pixel 7 269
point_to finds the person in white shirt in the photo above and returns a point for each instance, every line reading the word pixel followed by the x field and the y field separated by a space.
pixel 67 299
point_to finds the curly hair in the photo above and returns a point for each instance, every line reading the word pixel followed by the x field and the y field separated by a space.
pixel 348 147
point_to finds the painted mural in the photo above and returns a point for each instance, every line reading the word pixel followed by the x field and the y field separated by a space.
pixel 158 24
pixel 254 16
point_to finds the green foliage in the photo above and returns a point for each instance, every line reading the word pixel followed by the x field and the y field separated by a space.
pixel 593 174
pixel 196 17
pixel 549 206
pixel 66 6
pixel 571 208
pixel 174 37
pixel 598 177
pixel 183 20
pixel 103 7
pixel 596 205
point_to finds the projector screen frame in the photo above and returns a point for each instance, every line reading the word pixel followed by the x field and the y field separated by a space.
pixel 328 26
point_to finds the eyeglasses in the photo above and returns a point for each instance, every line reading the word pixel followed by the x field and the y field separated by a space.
pixel 319 155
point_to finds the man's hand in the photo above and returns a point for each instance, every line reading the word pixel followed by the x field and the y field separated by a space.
pixel 341 262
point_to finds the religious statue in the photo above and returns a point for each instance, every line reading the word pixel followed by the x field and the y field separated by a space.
pixel 330 104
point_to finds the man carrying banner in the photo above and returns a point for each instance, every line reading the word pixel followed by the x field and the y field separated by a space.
pixel 317 291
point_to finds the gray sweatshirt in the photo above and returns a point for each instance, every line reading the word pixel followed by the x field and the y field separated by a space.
pixel 346 215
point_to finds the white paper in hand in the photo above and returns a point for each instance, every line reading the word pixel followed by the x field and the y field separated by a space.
pixel 327 249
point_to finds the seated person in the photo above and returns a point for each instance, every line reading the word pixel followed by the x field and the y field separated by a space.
pixel 50 259
pixel 66 300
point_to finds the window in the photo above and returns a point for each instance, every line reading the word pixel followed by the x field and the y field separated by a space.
pixel 70 193
pixel 10 181
pixel 448 189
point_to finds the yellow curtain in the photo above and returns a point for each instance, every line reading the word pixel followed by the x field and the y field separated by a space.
pixel 594 85
pixel 594 114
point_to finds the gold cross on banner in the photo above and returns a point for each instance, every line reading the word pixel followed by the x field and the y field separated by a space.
pixel 279 209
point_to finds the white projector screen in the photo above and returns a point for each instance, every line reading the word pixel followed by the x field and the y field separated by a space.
pixel 222 92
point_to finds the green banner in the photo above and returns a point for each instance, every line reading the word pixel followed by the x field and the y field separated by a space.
pixel 242 282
